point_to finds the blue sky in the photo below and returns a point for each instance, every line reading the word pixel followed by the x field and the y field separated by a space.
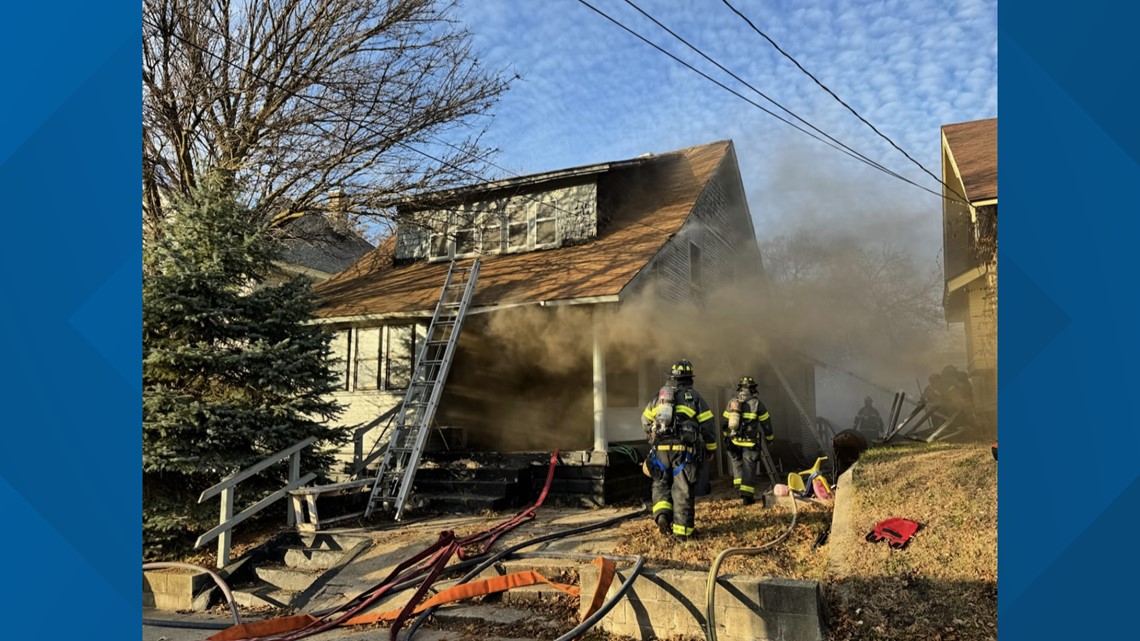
pixel 591 92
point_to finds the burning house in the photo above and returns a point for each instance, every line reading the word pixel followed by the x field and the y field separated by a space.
pixel 592 280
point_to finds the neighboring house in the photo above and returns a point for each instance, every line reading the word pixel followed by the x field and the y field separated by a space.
pixel 317 246
pixel 969 166
pixel 582 270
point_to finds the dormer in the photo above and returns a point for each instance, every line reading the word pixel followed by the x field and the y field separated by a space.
pixel 544 211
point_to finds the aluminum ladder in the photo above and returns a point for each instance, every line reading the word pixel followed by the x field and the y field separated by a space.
pixel 397 471
pixel 769 464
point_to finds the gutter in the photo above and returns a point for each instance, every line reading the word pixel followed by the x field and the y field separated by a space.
pixel 426 313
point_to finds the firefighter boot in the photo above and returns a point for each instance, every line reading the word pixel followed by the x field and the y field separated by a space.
pixel 748 499
pixel 665 523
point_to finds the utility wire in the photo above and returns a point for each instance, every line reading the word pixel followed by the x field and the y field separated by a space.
pixel 840 100
pixel 762 94
pixel 843 149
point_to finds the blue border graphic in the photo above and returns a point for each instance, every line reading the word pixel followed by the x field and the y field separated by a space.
pixel 69 466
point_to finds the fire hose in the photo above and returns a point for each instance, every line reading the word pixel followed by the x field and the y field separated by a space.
pixel 710 590
pixel 498 556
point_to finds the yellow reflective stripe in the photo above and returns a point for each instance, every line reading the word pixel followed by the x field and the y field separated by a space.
pixel 673 448
pixel 770 437
pixel 747 489
pixel 710 446
pixel 686 410
pixel 649 414
pixel 736 481
pixel 749 415
pixel 662 505
pixel 743 443
pixel 705 416
pixel 725 414
pixel 763 417
pixel 681 530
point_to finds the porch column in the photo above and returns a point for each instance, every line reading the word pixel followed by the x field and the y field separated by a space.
pixel 600 440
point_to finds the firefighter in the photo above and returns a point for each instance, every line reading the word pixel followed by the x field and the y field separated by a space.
pixel 682 433
pixel 746 420
pixel 868 422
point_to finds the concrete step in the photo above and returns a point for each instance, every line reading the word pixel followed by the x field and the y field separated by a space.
pixel 286 578
pixel 331 540
pixel 312 558
pixel 263 596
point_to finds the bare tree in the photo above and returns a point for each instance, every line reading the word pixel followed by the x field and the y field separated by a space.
pixel 847 299
pixel 298 98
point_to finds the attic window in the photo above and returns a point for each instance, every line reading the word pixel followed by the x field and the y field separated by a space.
pixel 545 225
pixel 518 229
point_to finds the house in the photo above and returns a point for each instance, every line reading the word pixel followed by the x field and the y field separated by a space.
pixel 318 245
pixel 593 280
pixel 969 169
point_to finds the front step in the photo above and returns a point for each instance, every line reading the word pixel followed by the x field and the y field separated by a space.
pixel 263 596
pixel 312 558
pixel 284 578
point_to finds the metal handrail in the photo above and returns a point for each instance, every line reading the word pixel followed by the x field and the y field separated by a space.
pixel 226 487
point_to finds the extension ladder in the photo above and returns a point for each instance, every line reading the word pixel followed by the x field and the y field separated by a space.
pixel 397 470
pixel 769 464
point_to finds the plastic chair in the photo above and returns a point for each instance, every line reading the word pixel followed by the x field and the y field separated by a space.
pixel 796 480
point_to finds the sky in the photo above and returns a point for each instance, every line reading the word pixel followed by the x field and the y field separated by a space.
pixel 589 92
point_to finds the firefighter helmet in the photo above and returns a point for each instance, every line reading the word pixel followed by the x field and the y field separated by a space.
pixel 681 369
pixel 747 382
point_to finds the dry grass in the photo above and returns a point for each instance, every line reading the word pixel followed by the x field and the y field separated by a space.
pixel 722 522
pixel 943 586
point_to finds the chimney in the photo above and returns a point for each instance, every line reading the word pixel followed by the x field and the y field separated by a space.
pixel 338 211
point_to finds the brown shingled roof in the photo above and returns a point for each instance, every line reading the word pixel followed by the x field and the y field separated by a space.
pixel 974 148
pixel 650 200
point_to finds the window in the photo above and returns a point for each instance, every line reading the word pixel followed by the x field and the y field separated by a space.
pixel 367 358
pixel 339 346
pixel 545 225
pixel 518 228
pixel 400 356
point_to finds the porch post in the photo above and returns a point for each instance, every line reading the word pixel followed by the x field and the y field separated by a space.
pixel 600 440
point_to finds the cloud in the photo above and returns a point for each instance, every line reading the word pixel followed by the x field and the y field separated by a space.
pixel 591 92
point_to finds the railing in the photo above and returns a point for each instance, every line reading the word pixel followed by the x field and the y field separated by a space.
pixel 226 488
pixel 360 460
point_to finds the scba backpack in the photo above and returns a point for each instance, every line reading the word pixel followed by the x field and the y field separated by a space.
pixel 666 422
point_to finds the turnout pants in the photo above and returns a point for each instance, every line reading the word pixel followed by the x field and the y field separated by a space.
pixel 675 473
pixel 745 465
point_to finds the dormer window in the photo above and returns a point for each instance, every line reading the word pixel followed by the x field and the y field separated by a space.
pixel 507 224
pixel 545 225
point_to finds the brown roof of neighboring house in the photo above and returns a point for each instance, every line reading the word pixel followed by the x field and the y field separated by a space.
pixel 648 202
pixel 974 148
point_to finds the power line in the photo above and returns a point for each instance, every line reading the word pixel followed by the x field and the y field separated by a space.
pixel 765 96
pixel 840 100
pixel 843 149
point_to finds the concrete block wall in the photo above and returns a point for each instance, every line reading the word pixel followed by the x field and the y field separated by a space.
pixel 671 603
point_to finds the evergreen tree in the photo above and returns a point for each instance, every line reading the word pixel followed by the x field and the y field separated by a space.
pixel 231 372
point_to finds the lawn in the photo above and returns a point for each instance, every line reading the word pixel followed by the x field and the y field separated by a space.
pixel 943 586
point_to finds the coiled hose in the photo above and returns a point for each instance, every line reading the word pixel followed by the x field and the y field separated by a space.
pixel 710 590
